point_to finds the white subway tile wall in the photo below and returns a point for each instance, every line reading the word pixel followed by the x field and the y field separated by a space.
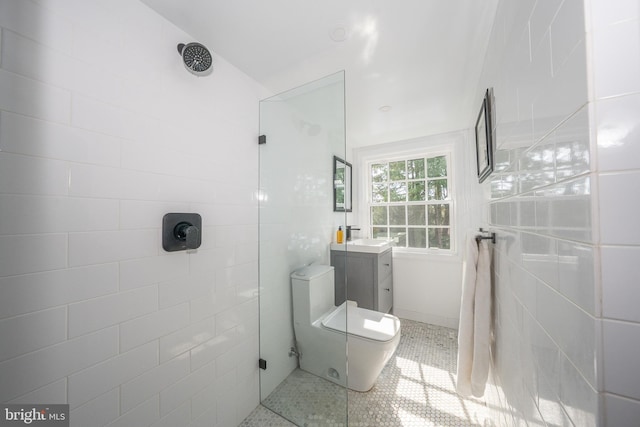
pixel 565 76
pixel 55 392
pixel 94 150
pixel 539 201
pixel 98 412
pixel 615 36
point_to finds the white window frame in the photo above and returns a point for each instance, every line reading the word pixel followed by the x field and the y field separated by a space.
pixel 400 156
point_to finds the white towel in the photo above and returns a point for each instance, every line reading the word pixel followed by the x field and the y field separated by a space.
pixel 474 332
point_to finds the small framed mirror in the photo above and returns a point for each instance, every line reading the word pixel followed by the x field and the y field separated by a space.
pixel 341 185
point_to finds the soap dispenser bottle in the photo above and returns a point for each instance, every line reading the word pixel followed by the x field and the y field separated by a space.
pixel 339 235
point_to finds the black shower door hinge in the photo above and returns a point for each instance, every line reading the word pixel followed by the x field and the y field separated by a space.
pixel 262 364
pixel 262 139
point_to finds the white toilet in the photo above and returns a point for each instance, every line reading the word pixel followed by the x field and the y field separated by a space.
pixel 320 327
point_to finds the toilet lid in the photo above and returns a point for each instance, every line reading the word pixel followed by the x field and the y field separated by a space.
pixel 370 324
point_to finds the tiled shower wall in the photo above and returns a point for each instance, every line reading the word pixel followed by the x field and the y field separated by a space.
pixel 563 202
pixel 614 32
pixel 102 132
pixel 540 201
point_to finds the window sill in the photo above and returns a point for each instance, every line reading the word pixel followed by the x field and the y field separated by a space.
pixel 448 256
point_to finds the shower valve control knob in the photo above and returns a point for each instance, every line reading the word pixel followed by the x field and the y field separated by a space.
pixel 181 231
pixel 187 233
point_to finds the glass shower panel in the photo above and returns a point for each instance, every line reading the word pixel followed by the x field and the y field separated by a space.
pixel 304 130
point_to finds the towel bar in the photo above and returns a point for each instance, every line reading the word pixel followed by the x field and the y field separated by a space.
pixel 491 237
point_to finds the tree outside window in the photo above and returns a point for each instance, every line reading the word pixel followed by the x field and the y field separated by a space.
pixel 410 201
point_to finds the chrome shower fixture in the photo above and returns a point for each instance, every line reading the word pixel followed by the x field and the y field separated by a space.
pixel 196 58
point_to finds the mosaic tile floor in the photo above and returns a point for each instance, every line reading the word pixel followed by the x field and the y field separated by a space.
pixel 416 388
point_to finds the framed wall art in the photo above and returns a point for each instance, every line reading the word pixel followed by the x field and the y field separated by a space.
pixel 485 138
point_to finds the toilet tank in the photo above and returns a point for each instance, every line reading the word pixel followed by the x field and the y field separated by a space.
pixel 313 292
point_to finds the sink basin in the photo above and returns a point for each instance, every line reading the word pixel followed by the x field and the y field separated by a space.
pixel 374 246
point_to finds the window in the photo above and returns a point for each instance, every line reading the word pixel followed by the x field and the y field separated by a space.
pixel 410 201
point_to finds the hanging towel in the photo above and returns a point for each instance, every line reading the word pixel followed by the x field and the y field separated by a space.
pixel 474 332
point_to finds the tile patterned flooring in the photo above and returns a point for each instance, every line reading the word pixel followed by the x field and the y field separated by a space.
pixel 416 388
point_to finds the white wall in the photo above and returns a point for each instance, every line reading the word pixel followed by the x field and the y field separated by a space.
pixel 563 203
pixel 102 132
pixel 427 290
pixel 426 287
pixel 542 204
pixel 614 34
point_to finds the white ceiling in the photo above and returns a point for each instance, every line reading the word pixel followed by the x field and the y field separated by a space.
pixel 421 57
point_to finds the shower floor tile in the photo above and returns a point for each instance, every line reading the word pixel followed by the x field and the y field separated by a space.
pixel 416 388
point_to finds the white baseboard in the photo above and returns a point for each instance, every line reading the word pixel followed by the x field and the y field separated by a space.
pixel 426 318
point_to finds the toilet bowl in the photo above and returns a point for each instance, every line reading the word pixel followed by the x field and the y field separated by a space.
pixel 347 344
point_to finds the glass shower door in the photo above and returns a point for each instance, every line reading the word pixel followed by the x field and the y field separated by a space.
pixel 304 129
